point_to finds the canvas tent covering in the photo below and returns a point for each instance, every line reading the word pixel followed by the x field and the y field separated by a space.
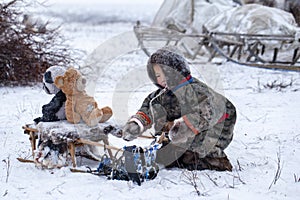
pixel 253 19
pixel 189 15
pixel 256 19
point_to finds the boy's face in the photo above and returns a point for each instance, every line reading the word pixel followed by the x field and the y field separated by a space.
pixel 160 76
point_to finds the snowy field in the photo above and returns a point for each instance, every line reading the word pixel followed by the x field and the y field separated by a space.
pixel 266 140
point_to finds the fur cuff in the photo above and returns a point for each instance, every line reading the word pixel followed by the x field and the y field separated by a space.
pixel 138 122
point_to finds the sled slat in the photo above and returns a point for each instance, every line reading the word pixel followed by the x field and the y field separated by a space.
pixel 25 160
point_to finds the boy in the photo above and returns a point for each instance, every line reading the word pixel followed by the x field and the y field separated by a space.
pixel 199 121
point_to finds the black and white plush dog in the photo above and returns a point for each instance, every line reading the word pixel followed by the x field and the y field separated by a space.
pixel 55 109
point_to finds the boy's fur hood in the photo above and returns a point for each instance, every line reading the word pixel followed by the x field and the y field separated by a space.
pixel 174 66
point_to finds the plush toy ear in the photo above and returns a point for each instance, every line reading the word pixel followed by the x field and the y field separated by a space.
pixel 59 82
pixel 80 84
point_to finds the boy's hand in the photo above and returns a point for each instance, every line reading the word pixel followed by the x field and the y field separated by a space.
pixel 131 131
pixel 180 132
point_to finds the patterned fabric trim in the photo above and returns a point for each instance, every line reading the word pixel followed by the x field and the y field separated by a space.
pixel 225 116
pixel 190 125
pixel 144 118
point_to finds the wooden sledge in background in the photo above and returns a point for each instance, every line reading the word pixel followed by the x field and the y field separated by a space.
pixel 244 49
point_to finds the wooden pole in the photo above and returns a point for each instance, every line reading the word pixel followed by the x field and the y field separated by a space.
pixel 71 147
pixel 32 141
pixel 29 129
pixel 147 137
pixel 84 141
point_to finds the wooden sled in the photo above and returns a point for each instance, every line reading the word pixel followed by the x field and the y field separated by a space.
pixel 84 136
pixel 245 49
pixel 33 133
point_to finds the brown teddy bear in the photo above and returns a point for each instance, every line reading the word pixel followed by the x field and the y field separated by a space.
pixel 79 105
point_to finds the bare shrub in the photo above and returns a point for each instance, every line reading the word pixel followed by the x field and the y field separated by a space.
pixel 293 6
pixel 297 179
pixel 278 171
pixel 191 177
pixel 27 49
pixel 278 85
pixel 8 167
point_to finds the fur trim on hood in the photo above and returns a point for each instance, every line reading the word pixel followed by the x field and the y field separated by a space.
pixel 174 66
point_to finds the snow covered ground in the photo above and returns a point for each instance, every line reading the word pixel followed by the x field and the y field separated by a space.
pixel 266 131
